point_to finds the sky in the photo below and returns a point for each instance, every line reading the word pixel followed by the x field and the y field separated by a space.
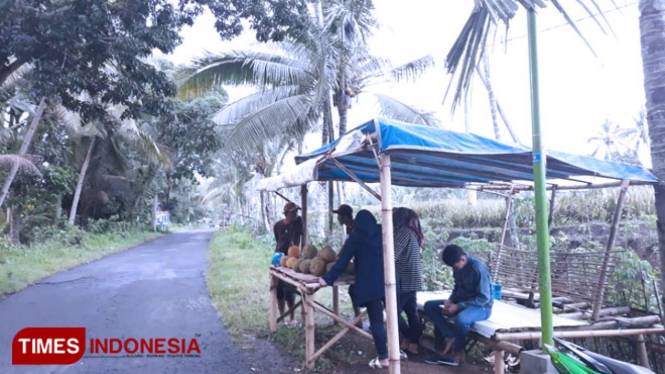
pixel 578 90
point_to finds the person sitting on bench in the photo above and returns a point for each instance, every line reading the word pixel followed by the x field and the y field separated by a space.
pixel 470 301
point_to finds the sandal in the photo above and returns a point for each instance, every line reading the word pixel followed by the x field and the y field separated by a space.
pixel 402 355
pixel 376 364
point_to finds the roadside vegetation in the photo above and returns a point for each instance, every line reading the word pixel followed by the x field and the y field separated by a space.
pixel 23 265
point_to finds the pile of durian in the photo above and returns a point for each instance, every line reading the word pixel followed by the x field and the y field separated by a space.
pixel 311 260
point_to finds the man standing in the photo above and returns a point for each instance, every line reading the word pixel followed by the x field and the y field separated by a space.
pixel 288 232
pixel 345 218
pixel 470 301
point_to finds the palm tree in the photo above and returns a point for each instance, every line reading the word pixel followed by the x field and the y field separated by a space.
pixel 608 140
pixel 652 31
pixel 112 129
pixel 295 81
pixel 13 107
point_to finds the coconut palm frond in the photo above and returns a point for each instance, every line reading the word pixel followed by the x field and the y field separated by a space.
pixel 574 26
pixel 21 103
pixel 25 163
pixel 74 124
pixel 144 142
pixel 353 20
pixel 244 106
pixel 467 50
pixel 241 68
pixel 398 110
pixel 116 155
pixel 274 120
pixel 413 69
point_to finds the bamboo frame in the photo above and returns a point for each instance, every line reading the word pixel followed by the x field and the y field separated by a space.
pixel 305 284
pixel 497 263
pixel 389 264
pixel 537 335
pixel 303 207
pixel 602 279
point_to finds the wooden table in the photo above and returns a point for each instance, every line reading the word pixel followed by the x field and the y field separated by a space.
pixel 307 285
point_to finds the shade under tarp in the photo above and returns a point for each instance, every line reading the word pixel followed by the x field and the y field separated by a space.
pixel 423 156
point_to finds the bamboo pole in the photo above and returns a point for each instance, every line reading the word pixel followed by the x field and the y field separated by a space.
pixel 348 325
pixel 497 263
pixel 303 207
pixel 273 302
pixel 602 279
pixel 551 214
pixel 536 335
pixel 539 161
pixel 499 364
pixel 335 299
pixel 287 312
pixel 642 355
pixel 389 263
pixel 309 330
pixel 586 186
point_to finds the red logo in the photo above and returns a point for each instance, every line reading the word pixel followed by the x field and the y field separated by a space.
pixel 48 346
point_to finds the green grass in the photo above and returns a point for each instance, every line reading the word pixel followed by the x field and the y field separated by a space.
pixel 21 266
pixel 238 280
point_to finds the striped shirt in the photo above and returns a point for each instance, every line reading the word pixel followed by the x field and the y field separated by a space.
pixel 408 263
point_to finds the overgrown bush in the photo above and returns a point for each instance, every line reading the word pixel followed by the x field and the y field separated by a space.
pixel 632 282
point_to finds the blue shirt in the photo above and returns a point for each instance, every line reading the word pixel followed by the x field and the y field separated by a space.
pixel 472 285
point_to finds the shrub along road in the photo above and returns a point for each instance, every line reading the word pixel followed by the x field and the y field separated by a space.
pixel 156 290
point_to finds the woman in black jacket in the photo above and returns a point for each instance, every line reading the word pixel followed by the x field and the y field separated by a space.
pixel 365 244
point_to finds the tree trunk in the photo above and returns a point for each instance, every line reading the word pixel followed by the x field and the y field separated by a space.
pixel 15 225
pixel 136 213
pixel 24 148
pixel 79 184
pixel 265 212
pixel 652 32
pixel 328 123
pixel 155 202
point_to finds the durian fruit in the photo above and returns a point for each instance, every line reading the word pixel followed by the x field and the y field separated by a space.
pixel 304 266
pixel 294 251
pixel 310 252
pixel 351 268
pixel 296 266
pixel 328 254
pixel 290 262
pixel 317 267
pixel 329 266
pixel 282 261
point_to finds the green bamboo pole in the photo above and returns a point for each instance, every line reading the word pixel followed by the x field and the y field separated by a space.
pixel 539 165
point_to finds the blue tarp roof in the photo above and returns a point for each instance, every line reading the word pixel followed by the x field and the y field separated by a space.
pixel 434 157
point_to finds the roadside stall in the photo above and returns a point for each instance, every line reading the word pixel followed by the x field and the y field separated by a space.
pixel 395 153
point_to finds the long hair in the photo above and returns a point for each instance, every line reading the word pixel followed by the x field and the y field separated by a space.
pixel 409 218
pixel 413 222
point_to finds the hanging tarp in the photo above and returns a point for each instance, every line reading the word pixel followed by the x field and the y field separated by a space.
pixel 423 156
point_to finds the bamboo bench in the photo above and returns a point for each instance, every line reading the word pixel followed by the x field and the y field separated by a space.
pixel 510 323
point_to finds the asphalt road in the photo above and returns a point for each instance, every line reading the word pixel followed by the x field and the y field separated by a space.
pixel 155 290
